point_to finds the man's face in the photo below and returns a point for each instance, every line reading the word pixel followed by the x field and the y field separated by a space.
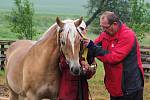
pixel 109 29
pixel 84 31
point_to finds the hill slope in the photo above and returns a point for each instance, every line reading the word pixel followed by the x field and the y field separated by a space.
pixel 51 6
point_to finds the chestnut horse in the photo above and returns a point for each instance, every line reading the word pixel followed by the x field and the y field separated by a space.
pixel 32 68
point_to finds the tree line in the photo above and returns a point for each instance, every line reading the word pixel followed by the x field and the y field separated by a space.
pixel 135 13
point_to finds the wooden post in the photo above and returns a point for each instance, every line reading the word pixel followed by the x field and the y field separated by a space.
pixel 145 54
pixel 2 57
pixel 4 44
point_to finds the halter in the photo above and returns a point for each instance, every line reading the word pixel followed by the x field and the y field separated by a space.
pixel 61 53
pixel 60 30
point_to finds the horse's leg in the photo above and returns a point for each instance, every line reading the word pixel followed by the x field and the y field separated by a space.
pixel 13 95
pixel 31 96
pixel 21 98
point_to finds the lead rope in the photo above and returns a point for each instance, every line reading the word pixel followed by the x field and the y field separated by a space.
pixel 80 83
pixel 80 55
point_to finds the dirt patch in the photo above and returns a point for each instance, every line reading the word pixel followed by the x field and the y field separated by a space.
pixel 4 91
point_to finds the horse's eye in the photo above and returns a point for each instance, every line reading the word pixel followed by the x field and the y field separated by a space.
pixel 63 43
pixel 60 30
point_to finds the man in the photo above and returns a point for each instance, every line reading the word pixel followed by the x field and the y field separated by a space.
pixel 117 47
pixel 75 87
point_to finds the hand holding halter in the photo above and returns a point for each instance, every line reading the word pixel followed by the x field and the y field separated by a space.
pixel 82 35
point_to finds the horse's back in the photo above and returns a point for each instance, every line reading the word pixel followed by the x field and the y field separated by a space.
pixel 14 56
pixel 20 44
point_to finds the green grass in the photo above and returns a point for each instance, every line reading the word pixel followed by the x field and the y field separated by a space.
pixel 146 40
pixel 5 33
pixel 96 84
pixel 2 73
pixel 2 78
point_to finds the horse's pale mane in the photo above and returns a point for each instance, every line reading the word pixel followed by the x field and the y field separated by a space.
pixel 70 32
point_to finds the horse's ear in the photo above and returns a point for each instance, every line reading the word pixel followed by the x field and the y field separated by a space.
pixel 78 22
pixel 59 22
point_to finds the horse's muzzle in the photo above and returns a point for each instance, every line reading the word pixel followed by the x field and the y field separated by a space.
pixel 75 70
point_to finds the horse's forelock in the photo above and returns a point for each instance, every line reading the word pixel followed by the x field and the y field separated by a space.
pixel 70 32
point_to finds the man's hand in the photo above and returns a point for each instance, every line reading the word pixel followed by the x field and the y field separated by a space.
pixel 85 66
pixel 86 42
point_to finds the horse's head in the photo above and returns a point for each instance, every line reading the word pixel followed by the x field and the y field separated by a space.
pixel 69 39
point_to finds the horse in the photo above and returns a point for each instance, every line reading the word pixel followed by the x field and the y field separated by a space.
pixel 32 67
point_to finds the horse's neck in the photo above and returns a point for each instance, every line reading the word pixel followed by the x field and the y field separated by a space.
pixel 49 43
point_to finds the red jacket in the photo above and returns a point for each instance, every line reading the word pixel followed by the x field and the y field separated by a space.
pixel 69 84
pixel 120 55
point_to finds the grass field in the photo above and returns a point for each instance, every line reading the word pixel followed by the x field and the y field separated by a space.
pixel 146 40
pixel 41 22
pixel 51 6
pixel 46 12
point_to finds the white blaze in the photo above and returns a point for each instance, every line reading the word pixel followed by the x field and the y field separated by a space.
pixel 70 33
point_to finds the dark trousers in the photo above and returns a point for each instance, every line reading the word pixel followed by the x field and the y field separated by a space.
pixel 138 95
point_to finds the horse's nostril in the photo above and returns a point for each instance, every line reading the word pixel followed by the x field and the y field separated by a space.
pixel 76 71
pixel 71 69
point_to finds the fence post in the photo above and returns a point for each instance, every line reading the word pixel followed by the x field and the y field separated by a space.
pixel 2 57
pixel 145 54
pixel 4 44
